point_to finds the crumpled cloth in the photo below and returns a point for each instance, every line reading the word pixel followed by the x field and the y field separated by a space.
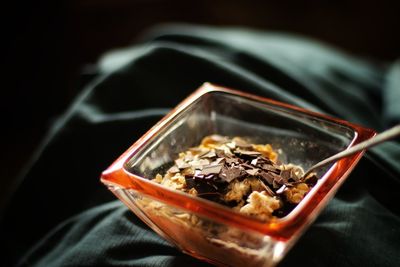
pixel 61 215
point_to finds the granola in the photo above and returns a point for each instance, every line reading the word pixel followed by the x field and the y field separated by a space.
pixel 246 177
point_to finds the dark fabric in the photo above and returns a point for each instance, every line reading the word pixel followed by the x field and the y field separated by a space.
pixel 138 85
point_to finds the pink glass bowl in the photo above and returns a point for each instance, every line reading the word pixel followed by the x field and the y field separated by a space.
pixel 210 231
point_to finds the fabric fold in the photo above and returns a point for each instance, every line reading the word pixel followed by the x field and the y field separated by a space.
pixel 137 85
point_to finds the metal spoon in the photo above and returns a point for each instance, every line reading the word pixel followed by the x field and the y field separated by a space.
pixel 377 139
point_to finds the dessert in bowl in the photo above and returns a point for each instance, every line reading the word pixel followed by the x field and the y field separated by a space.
pixel 220 176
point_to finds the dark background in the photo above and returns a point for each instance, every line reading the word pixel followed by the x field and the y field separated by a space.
pixel 48 43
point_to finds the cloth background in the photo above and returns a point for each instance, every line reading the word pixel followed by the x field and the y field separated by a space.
pixel 61 215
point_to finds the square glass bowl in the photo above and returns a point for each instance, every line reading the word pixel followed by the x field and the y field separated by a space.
pixel 210 231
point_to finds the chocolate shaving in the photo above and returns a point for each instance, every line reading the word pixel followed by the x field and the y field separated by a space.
pixel 203 186
pixel 275 184
pixel 232 161
pixel 220 153
pixel 293 176
pixel 228 152
pixel 229 174
pixel 246 153
pixel 190 183
pixel 265 160
pixel 211 169
pixel 198 176
pixel 209 154
pixel 198 151
pixel 267 176
pixel 182 164
pixel 215 168
pixel 241 143
pixel 280 180
pixel 218 161
pixel 286 174
pixel 271 168
pixel 210 176
pixel 253 172
pixel 247 166
pixel 199 164
pixel 267 189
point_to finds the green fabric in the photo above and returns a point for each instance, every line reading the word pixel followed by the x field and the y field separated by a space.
pixel 137 85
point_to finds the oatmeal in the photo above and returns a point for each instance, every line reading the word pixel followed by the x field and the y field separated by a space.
pixel 246 177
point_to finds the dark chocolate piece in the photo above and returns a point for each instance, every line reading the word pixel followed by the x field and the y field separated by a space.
pixel 216 168
pixel 231 173
pixel 182 164
pixel 265 160
pixel 246 153
pixel 246 166
pixel 232 161
pixel 293 176
pixel 209 154
pixel 286 174
pixel 203 152
pixel 220 153
pixel 218 161
pixel 241 143
pixel 210 176
pixel 275 184
pixel 190 182
pixel 280 180
pixel 271 168
pixel 211 169
pixel 267 189
pixel 253 172
pixel 267 176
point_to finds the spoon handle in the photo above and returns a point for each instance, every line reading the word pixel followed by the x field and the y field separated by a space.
pixel 377 139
